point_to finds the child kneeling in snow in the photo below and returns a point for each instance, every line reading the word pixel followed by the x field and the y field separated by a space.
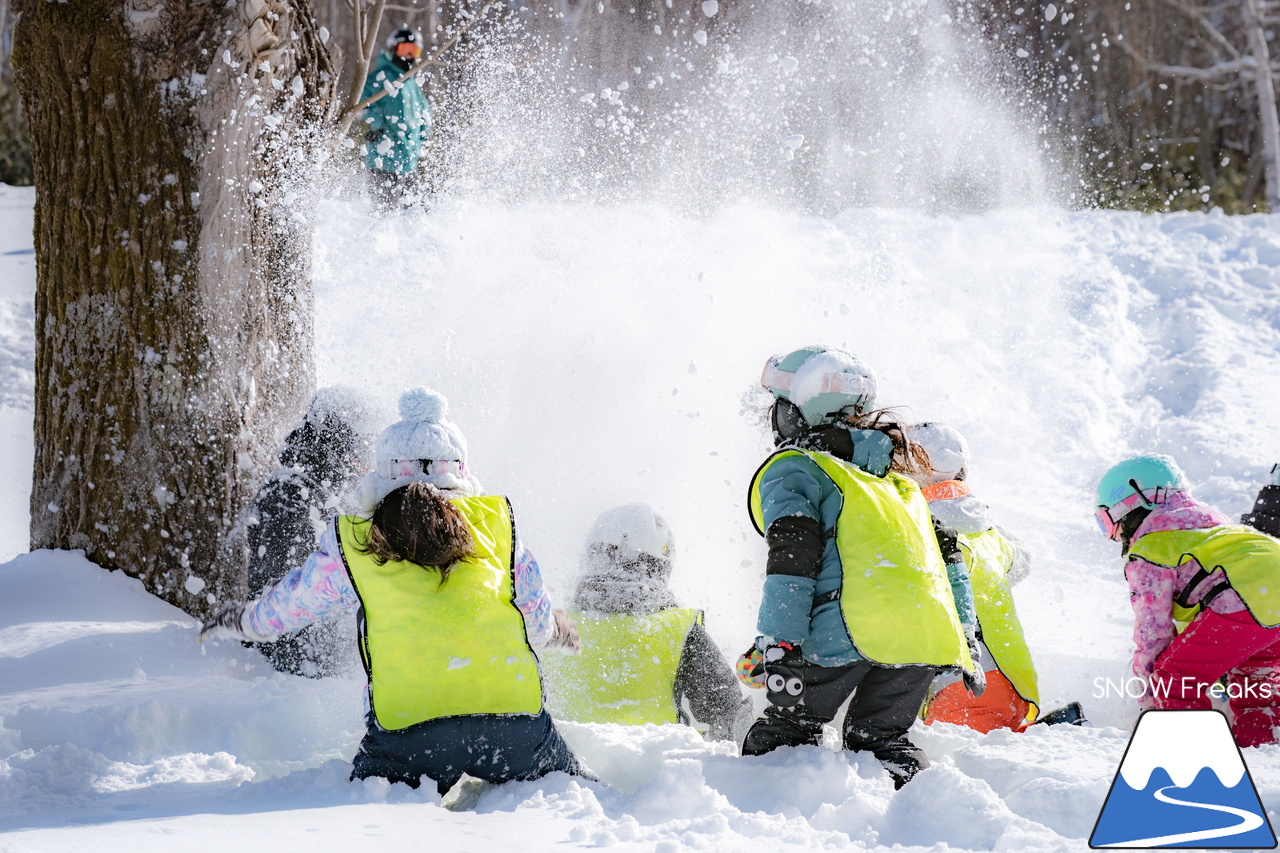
pixel 996 562
pixel 451 607
pixel 1205 594
pixel 642 655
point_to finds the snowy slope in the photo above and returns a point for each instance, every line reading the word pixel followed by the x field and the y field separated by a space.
pixel 598 355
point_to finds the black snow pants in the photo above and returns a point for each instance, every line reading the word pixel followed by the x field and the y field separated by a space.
pixel 886 701
pixel 493 747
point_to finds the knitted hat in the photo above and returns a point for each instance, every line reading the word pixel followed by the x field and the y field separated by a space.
pixel 424 446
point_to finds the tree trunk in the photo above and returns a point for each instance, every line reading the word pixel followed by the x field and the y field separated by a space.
pixel 173 300
pixel 1264 87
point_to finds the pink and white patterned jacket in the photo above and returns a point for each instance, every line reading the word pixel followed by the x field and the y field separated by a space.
pixel 1152 588
pixel 321 588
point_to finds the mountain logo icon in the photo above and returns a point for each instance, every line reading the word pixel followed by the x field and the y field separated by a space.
pixel 1183 783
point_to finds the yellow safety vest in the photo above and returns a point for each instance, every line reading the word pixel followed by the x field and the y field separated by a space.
pixel 626 672
pixel 989 556
pixel 1250 560
pixel 435 650
pixel 895 596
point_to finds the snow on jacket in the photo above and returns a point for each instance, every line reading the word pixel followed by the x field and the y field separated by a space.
pixel 796 487
pixel 399 121
pixel 1152 588
pixel 969 516
pixel 321 588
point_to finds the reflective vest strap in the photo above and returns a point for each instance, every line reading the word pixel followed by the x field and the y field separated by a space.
pixel 1250 560
pixel 1183 598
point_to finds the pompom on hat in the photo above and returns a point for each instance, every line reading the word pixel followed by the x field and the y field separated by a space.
pixel 424 446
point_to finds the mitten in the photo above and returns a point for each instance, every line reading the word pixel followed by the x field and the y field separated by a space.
pixel 225 624
pixel 975 681
pixel 784 675
pixel 565 637
pixel 750 667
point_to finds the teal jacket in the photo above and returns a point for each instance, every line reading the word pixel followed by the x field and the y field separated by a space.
pixel 791 486
pixel 403 120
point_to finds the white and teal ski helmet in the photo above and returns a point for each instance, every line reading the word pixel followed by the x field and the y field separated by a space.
pixel 823 382
pixel 1152 475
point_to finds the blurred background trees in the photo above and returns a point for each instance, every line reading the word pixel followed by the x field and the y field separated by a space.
pixel 1154 104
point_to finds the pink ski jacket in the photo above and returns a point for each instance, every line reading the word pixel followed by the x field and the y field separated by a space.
pixel 1152 588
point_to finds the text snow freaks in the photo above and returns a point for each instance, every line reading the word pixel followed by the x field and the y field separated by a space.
pixel 1187 687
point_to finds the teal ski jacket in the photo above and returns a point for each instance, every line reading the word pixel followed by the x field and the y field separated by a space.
pixel 397 123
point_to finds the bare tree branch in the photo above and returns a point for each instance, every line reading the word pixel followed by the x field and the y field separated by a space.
pixel 1244 68
pixel 433 59
pixel 1198 15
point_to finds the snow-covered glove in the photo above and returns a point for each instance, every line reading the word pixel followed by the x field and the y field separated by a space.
pixel 750 667
pixel 565 634
pixel 784 675
pixel 976 681
pixel 228 624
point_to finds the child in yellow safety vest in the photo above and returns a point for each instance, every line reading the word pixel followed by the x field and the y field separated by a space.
pixel 1205 595
pixel 864 596
pixel 996 562
pixel 451 609
pixel 643 656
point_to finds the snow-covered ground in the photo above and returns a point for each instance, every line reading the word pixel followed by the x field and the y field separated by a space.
pixel 596 355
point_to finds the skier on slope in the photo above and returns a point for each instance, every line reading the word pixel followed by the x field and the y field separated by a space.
pixel 1266 507
pixel 863 594
pixel 642 654
pixel 996 561
pixel 1205 595
pixel 322 458
pixel 451 607
pixel 398 122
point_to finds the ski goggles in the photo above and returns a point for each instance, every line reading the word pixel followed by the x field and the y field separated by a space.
pixel 408 49
pixel 861 388
pixel 399 469
pixel 1109 518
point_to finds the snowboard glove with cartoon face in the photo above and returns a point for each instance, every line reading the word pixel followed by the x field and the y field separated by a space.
pixel 784 675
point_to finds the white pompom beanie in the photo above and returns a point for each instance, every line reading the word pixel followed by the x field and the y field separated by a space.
pixel 424 446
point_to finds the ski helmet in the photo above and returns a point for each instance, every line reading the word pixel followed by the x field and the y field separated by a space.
pixel 947 449
pixel 403 35
pixel 822 382
pixel 632 532
pixel 1144 480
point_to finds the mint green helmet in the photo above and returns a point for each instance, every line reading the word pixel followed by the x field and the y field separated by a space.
pixel 823 382
pixel 1151 476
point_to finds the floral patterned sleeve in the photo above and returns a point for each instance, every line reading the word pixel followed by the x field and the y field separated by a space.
pixel 1151 594
pixel 318 589
pixel 531 597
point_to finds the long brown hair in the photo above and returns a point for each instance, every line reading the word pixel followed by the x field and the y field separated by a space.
pixel 418 524
pixel 908 457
